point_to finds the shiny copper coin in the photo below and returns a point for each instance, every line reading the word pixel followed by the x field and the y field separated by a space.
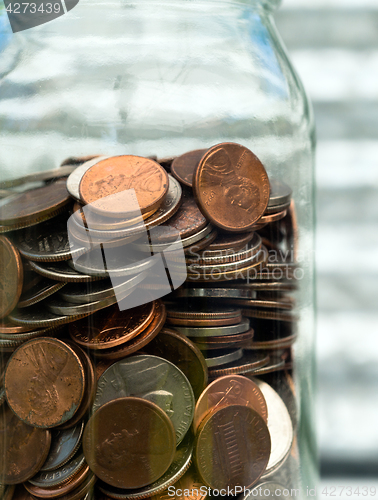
pixel 232 447
pixel 51 375
pixel 129 442
pixel 248 363
pixel 178 349
pixel 225 241
pixel 187 221
pixel 140 340
pixel 184 166
pixel 229 390
pixel 23 448
pixel 201 316
pixel 267 219
pixel 112 327
pixel 46 201
pixel 231 187
pixel 11 276
pixel 106 186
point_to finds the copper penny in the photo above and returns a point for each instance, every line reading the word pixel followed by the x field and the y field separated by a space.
pixel 231 187
pixel 201 316
pixel 112 327
pixel 181 351
pixel 129 442
pixel 232 447
pixel 140 340
pixel 11 276
pixel 229 390
pixel 46 201
pixel 265 219
pixel 187 221
pixel 184 166
pixel 23 449
pixel 106 185
pixel 44 382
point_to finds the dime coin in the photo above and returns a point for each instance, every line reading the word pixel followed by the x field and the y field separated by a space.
pixel 217 358
pixel 201 244
pixel 232 447
pixel 280 193
pixel 65 490
pixel 276 209
pixel 62 474
pixel 199 315
pixel 225 241
pixel 279 425
pixel 43 289
pixel 248 363
pixel 52 377
pixel 7 327
pixel 231 187
pixel 215 331
pixel 23 448
pixel 184 166
pixel 64 444
pixel 75 177
pixel 129 442
pixel 36 316
pixel 216 293
pixel 61 271
pixel 112 327
pixel 140 340
pixel 178 349
pixel 106 185
pixel 230 390
pixel 11 276
pixel 32 205
pixel 205 343
pixel 153 378
pixel 179 466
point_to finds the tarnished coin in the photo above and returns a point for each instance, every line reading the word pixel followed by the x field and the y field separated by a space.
pixel 44 382
pixel 35 205
pixel 231 187
pixel 107 185
pixel 230 390
pixel 223 357
pixel 129 442
pixel 153 378
pixel 184 166
pixel 248 363
pixel 178 349
pixel 112 327
pixel 65 491
pixel 11 276
pixel 279 425
pixel 199 315
pixel 23 448
pixel 232 447
pixel 61 271
pixel 215 331
pixel 64 444
pixel 43 289
pixel 180 464
pixel 62 474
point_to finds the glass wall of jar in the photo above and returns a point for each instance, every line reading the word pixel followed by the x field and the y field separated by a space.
pixel 160 311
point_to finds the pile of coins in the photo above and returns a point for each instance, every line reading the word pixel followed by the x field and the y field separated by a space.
pixel 147 328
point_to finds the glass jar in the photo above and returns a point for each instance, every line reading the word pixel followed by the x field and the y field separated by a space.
pixel 157 79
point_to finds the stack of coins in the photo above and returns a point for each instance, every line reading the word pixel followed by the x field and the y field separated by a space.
pixel 104 371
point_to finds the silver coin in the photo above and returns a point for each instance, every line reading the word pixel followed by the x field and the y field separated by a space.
pixel 248 363
pixel 266 490
pixel 37 316
pixel 280 193
pixel 60 271
pixel 223 293
pixel 214 331
pixel 279 425
pixel 45 288
pixel 208 256
pixel 181 463
pixel 46 479
pixel 224 358
pixel 79 293
pixel 37 177
pixel 75 177
pixel 64 444
pixel 273 366
pixel 277 208
pixel 59 307
pixel 229 266
pixel 153 378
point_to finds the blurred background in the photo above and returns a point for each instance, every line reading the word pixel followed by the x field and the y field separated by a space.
pixel 333 45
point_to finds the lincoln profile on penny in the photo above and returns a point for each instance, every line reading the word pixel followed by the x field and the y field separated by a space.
pixel 238 190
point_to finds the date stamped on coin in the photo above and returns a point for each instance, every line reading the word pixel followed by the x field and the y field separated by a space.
pixel 26 15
